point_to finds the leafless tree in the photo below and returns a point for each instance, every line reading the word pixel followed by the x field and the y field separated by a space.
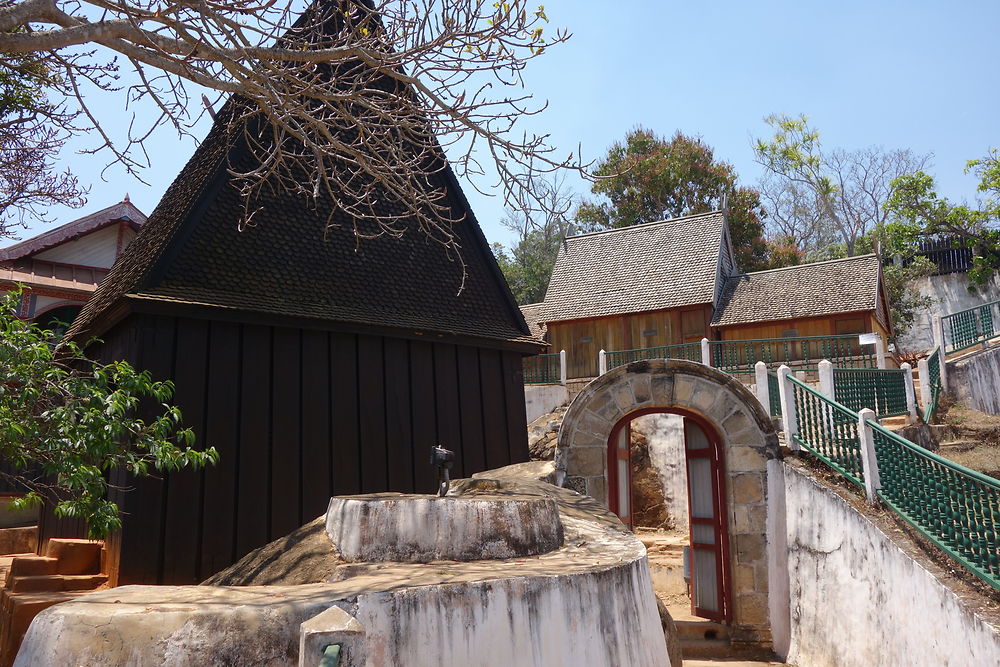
pixel 349 99
pixel 840 190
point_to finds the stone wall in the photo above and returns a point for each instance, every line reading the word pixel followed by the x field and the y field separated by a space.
pixel 975 381
pixel 664 435
pixel 748 440
pixel 859 598
pixel 950 294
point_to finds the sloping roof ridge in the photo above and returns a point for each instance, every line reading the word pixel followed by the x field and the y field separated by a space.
pixel 67 231
pixel 802 266
pixel 645 225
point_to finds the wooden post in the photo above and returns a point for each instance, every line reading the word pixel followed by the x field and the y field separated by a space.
pixel 763 392
pixel 562 367
pixel 789 419
pixel 826 386
pixel 602 363
pixel 706 352
pixel 911 395
pixel 869 464
pixel 924 373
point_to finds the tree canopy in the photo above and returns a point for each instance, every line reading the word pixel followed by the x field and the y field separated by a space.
pixel 349 99
pixel 68 424
pixel 647 178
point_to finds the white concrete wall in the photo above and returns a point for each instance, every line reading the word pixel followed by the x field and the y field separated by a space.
pixel 665 437
pixel 950 294
pixel 975 381
pixel 540 399
pixel 858 599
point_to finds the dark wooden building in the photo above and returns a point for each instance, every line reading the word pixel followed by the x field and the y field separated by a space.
pixel 315 364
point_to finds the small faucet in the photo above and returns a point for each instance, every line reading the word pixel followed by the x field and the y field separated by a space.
pixel 442 458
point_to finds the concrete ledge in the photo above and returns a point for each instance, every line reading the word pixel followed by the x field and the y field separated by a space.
pixel 418 529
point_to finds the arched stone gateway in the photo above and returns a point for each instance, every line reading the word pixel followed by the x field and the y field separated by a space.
pixel 744 441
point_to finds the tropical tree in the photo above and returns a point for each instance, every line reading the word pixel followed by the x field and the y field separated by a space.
pixel 816 195
pixel 347 99
pixel 647 178
pixel 69 424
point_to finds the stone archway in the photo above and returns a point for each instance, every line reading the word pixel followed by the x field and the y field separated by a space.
pixel 748 439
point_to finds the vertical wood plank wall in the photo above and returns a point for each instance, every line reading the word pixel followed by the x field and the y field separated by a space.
pixel 299 416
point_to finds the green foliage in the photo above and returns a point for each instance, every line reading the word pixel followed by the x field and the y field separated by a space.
pixel 905 301
pixel 647 178
pixel 917 211
pixel 67 424
pixel 528 266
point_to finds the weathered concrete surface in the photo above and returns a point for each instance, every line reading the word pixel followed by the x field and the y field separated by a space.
pixel 590 602
pixel 974 380
pixel 859 598
pixel 950 294
pixel 418 529
pixel 540 399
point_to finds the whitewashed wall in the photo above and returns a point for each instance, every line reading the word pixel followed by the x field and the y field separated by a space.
pixel 540 399
pixel 975 381
pixel 950 294
pixel 858 599
pixel 665 437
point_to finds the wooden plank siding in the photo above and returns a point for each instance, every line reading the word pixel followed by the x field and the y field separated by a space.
pixel 297 416
pixel 583 339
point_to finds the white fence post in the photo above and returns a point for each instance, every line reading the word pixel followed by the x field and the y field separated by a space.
pixel 763 393
pixel 937 328
pixel 924 373
pixel 562 367
pixel 911 395
pixel 943 363
pixel 869 464
pixel 880 352
pixel 602 363
pixel 789 419
pixel 706 352
pixel 826 386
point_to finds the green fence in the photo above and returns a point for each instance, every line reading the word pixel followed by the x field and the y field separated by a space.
pixel 773 395
pixel 883 391
pixel 934 372
pixel 956 508
pixel 828 430
pixel 970 327
pixel 804 353
pixel 687 351
pixel 541 369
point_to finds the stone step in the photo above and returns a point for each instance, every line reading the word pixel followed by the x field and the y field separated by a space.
pixel 28 566
pixel 706 648
pixel 703 630
pixel 76 556
pixel 17 610
pixel 56 583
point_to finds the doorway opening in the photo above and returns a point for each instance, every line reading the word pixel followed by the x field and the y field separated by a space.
pixel 688 453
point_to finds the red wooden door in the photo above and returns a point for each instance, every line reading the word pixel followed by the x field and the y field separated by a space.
pixel 620 472
pixel 707 514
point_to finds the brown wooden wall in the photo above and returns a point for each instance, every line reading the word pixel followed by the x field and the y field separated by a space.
pixel 625 332
pixel 298 416
pixel 807 326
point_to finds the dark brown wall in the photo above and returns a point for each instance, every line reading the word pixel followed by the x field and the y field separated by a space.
pixel 298 416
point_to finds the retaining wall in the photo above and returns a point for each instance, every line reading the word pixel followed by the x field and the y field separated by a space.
pixel 950 294
pixel 859 599
pixel 540 399
pixel 975 380
pixel 665 439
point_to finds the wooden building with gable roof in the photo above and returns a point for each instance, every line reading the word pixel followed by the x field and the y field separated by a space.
pixel 676 281
pixel 315 364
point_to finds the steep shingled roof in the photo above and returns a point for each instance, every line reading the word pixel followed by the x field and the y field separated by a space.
pixel 808 290
pixel 190 251
pixel 645 267
pixel 532 312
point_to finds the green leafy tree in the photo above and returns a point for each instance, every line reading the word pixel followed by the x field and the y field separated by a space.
pixel 819 197
pixel 67 423
pixel 917 211
pixel 646 178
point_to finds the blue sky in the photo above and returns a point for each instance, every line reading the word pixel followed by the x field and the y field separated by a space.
pixel 918 75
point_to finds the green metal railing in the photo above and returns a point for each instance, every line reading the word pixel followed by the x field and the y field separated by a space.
pixel 934 371
pixel 804 353
pixel 970 327
pixel 687 351
pixel 773 395
pixel 828 430
pixel 883 391
pixel 955 508
pixel 541 369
